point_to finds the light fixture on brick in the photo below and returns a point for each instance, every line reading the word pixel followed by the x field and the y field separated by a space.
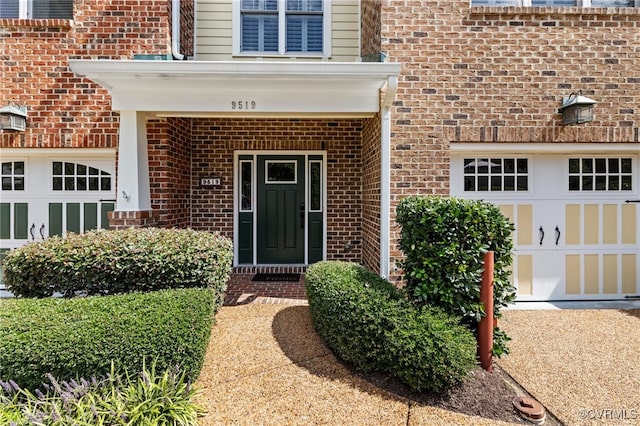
pixel 576 109
pixel 13 117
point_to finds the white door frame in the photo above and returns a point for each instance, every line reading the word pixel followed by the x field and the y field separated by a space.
pixel 254 177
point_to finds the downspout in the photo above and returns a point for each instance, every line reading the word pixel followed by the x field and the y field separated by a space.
pixel 385 175
pixel 175 31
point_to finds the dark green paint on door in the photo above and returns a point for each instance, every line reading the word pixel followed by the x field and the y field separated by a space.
pixel 281 210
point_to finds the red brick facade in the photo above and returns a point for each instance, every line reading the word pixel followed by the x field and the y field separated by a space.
pixel 469 74
pixel 65 110
pixel 481 75
pixel 213 146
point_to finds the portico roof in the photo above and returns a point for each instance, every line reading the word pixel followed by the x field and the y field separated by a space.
pixel 240 88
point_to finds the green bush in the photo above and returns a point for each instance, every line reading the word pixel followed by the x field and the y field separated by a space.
pixel 368 322
pixel 81 337
pixel 444 241
pixel 148 398
pixel 111 262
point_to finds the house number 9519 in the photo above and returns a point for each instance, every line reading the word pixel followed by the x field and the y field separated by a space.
pixel 237 105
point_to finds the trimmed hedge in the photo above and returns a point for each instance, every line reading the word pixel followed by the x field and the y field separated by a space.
pixel 368 322
pixel 444 240
pixel 81 337
pixel 111 262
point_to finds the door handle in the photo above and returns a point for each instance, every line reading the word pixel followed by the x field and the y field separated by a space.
pixel 557 235
pixel 33 226
pixel 302 215
pixel 42 231
pixel 541 234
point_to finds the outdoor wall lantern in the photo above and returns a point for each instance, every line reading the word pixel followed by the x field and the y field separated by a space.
pixel 13 117
pixel 576 109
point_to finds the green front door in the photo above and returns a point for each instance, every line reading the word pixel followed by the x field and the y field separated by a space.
pixel 281 209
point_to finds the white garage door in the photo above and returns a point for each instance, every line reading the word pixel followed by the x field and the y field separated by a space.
pixel 54 194
pixel 576 220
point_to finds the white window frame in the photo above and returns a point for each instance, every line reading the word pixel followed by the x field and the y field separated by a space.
pixel 13 175
pixel 502 174
pixel 267 163
pixel 527 3
pixel 253 185
pixel 607 174
pixel 25 10
pixel 319 163
pixel 282 35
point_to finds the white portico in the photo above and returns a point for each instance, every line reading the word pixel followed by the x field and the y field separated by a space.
pixel 151 89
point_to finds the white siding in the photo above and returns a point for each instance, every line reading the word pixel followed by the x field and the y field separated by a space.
pixel 214 31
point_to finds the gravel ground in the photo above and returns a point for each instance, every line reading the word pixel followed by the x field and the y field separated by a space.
pixel 582 365
pixel 265 365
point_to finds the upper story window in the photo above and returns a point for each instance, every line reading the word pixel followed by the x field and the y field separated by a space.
pixel 282 27
pixel 558 3
pixel 36 9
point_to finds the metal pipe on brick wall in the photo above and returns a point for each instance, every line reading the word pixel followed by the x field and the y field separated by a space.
pixel 175 30
pixel 485 328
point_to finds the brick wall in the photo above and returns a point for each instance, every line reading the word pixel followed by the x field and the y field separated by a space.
pixel 64 109
pixel 498 75
pixel 371 160
pixel 370 27
pixel 187 20
pixel 169 147
pixel 215 140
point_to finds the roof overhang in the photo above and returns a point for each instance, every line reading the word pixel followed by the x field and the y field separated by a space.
pixel 246 89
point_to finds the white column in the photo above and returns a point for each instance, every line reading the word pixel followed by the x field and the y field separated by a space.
pixel 133 163
pixel 385 175
pixel 385 182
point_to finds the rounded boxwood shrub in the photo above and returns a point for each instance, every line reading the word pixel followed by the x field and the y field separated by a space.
pixel 444 240
pixel 110 262
pixel 81 337
pixel 368 322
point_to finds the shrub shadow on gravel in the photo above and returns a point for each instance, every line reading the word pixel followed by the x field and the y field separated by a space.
pixel 484 394
pixel 632 312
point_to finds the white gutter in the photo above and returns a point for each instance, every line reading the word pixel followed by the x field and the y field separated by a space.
pixel 385 175
pixel 175 30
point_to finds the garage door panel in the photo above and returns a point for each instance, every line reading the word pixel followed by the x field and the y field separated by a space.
pixel 55 219
pixel 630 273
pixel 524 268
pixel 629 224
pixel 573 239
pixel 5 221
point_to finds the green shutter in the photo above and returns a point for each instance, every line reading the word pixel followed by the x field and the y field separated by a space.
pixel 90 216
pixel 73 217
pixel 5 221
pixel 55 219
pixel 104 209
pixel 20 221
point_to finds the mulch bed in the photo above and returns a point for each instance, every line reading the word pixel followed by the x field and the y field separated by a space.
pixel 484 394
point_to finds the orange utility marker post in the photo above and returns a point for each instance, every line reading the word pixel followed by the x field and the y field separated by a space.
pixel 485 328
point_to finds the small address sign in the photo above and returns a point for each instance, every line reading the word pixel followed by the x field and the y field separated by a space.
pixel 210 181
pixel 243 105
